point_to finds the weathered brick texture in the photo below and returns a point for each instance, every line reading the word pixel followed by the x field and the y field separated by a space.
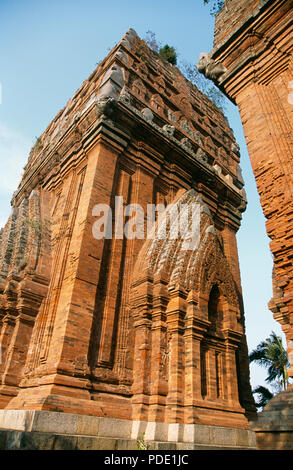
pixel 127 328
pixel 252 63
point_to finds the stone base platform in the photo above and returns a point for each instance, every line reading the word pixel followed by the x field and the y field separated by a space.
pixel 274 427
pixel 45 430
pixel 20 440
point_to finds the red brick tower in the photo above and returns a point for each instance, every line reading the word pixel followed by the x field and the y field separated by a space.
pixel 116 336
pixel 252 64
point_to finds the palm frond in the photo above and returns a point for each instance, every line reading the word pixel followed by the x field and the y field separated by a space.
pixel 264 395
pixel 272 355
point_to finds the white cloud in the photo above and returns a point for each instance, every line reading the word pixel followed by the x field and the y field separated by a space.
pixel 14 150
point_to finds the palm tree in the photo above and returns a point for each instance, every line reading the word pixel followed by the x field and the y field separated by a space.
pixel 264 395
pixel 272 355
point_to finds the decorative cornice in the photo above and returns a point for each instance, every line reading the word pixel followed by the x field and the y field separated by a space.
pixel 257 49
pixel 175 110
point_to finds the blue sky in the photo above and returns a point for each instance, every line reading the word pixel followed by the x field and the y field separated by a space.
pixel 47 49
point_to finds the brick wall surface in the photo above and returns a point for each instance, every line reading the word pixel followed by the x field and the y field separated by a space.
pixel 252 63
pixel 123 327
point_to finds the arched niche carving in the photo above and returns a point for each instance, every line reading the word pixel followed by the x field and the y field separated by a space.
pixel 215 309
pixel 174 294
pixel 196 269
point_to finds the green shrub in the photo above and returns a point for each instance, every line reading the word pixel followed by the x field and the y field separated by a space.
pixel 168 54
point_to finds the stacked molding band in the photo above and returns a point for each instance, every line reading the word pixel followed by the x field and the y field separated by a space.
pixel 251 62
pixel 135 329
